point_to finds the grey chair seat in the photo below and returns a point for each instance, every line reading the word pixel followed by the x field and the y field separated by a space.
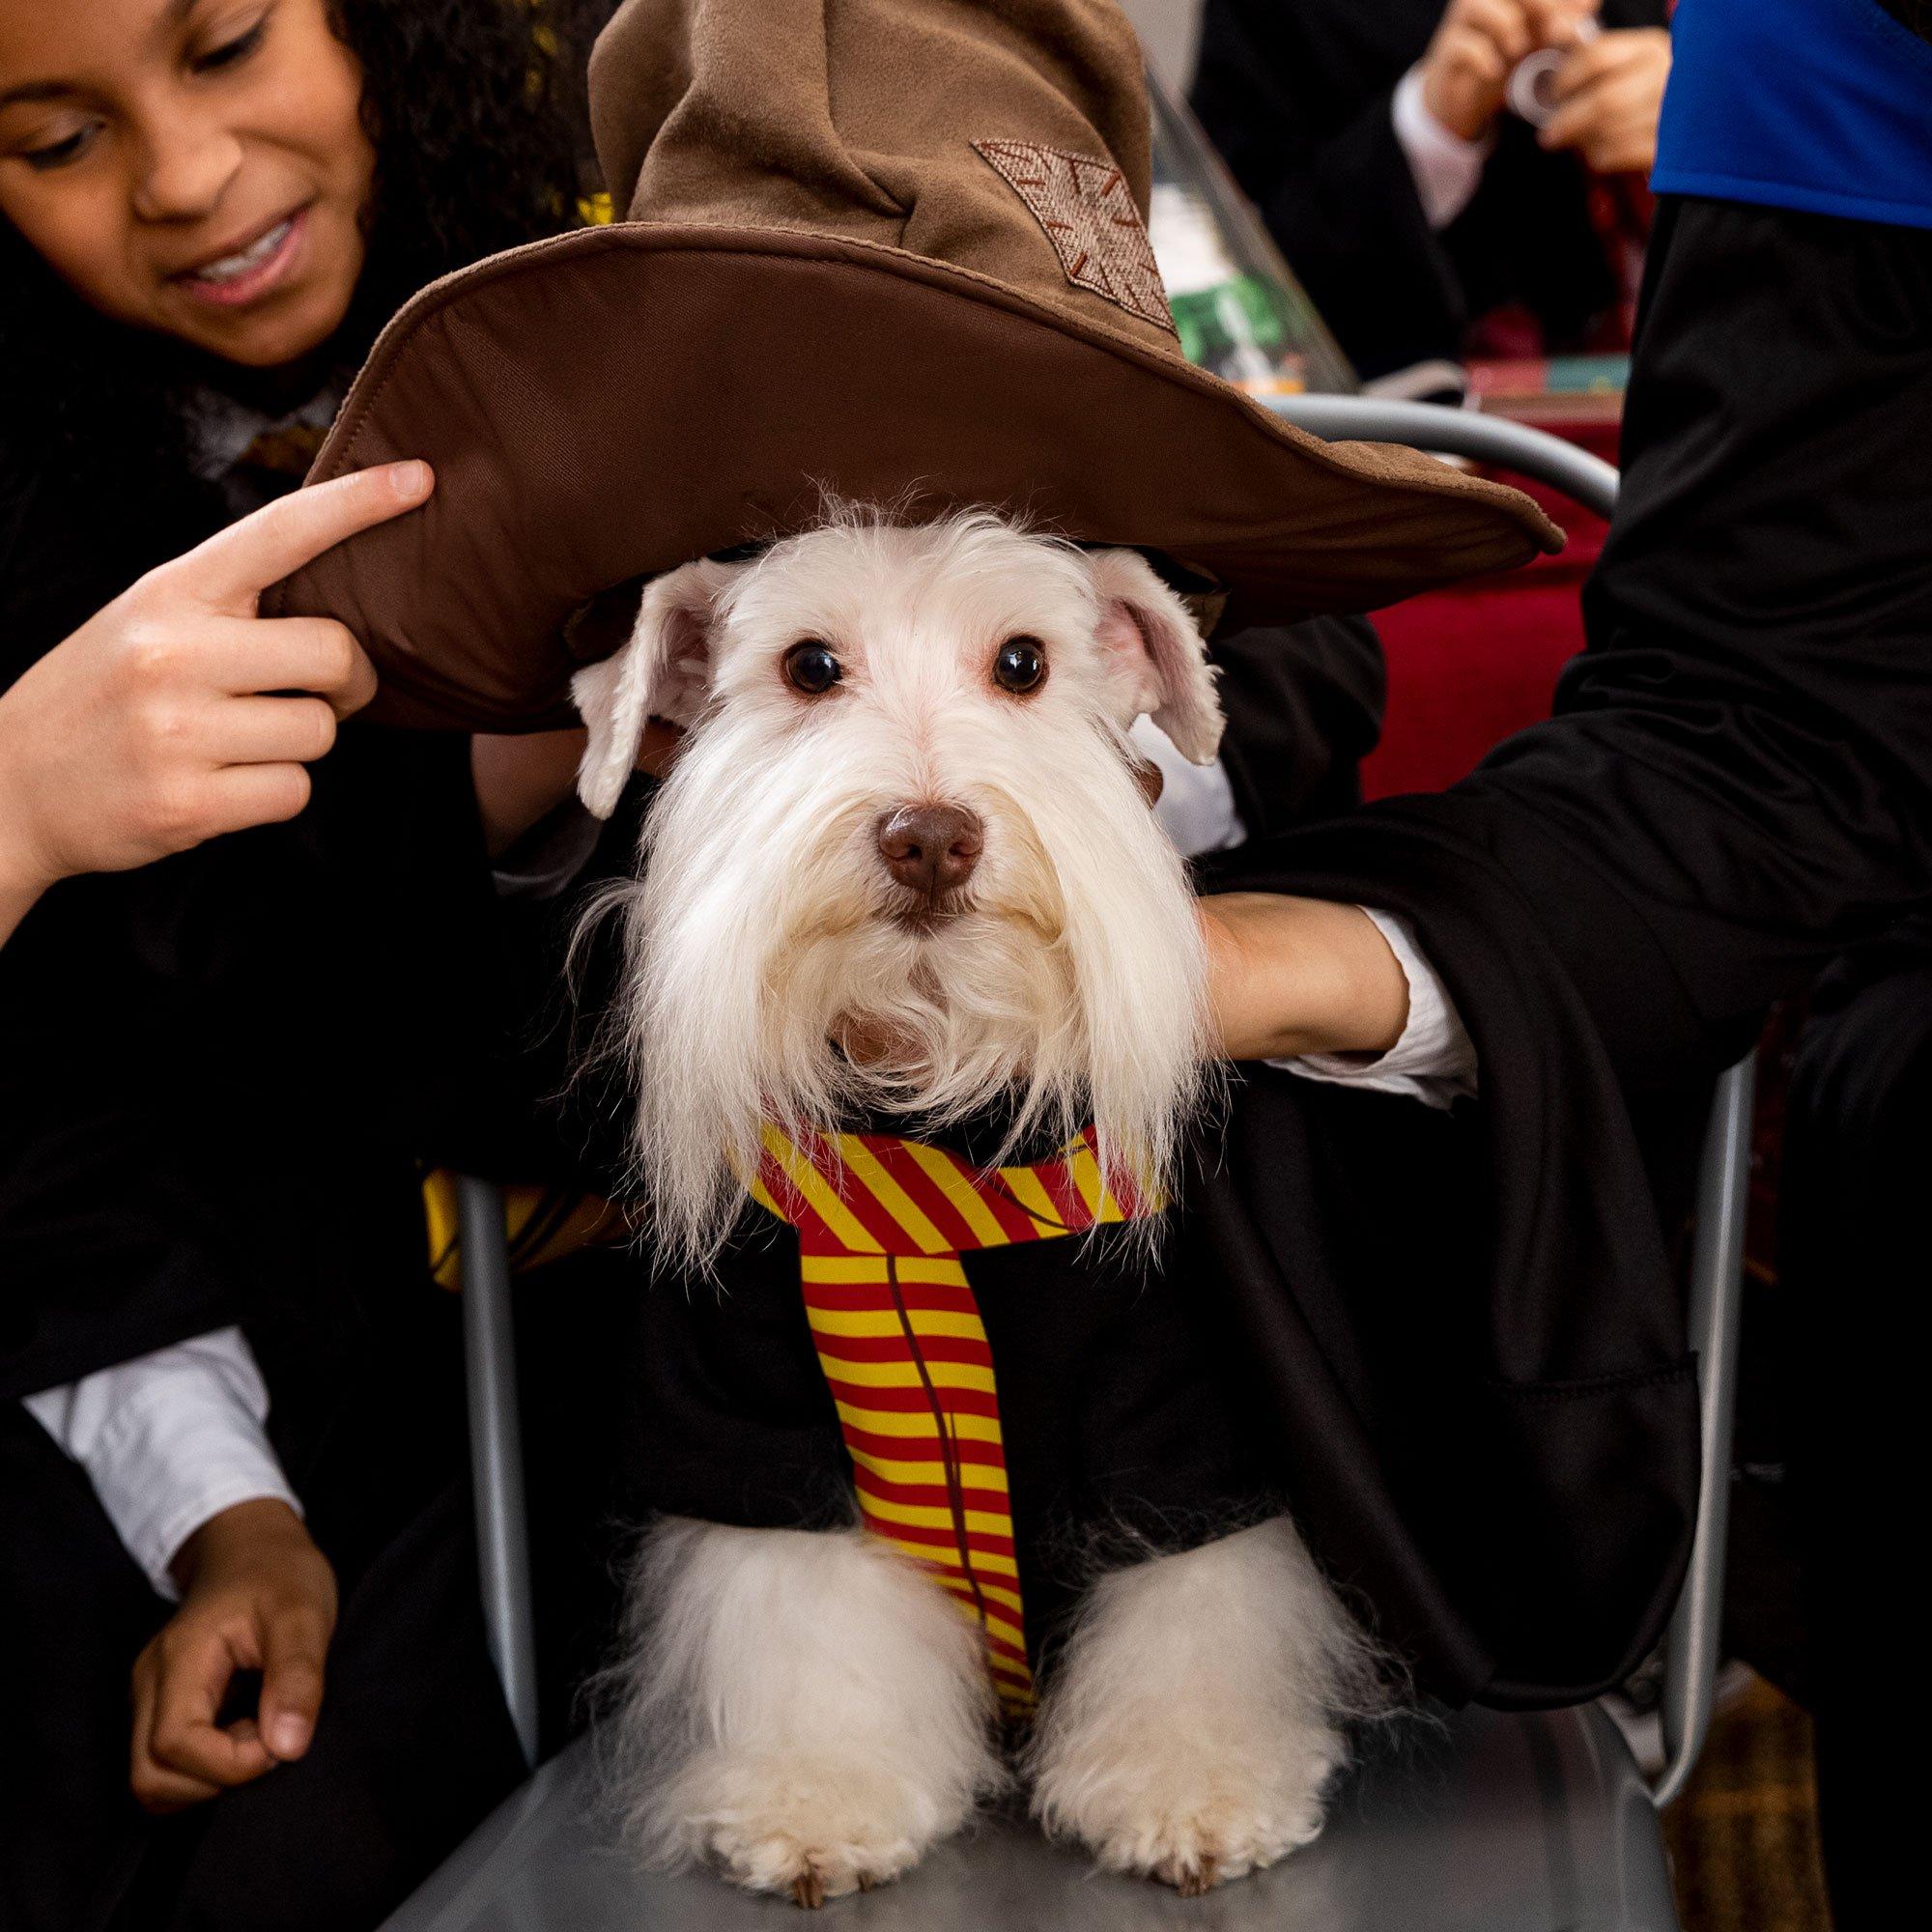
pixel 1489 1824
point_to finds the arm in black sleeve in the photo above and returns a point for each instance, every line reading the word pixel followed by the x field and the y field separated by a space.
pixel 1736 782
pixel 111 1240
pixel 1298 98
pixel 1304 707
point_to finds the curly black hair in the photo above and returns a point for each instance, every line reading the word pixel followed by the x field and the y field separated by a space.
pixel 472 106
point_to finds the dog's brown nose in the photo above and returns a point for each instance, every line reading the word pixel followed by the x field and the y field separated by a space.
pixel 930 849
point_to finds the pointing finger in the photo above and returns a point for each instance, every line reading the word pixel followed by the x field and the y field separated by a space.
pixel 232 569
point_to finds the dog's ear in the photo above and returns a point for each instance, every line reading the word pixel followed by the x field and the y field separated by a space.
pixel 1154 640
pixel 663 672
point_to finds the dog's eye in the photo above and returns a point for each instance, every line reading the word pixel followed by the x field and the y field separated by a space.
pixel 1021 665
pixel 810 668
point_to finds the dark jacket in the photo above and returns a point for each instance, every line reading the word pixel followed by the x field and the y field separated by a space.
pixel 216 1072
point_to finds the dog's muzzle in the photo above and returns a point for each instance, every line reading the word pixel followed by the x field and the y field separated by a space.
pixel 929 851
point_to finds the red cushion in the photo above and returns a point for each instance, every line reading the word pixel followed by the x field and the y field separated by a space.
pixel 1469 665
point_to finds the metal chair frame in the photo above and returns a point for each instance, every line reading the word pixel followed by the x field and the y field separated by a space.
pixel 1716 1278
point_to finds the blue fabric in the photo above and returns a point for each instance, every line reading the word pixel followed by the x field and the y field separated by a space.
pixel 1821 105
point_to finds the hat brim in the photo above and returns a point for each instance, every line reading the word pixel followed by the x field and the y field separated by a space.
pixel 618 401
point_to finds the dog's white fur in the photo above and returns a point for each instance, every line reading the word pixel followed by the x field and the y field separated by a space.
pixel 1190 1726
pixel 762 928
pixel 802 1707
pixel 807 1709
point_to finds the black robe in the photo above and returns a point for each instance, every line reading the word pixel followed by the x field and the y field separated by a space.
pixel 1450 1342
pixel 1736 786
pixel 1118 1426
pixel 217 1075
pixel 1345 1316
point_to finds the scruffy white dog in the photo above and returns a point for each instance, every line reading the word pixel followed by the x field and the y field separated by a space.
pixel 905 862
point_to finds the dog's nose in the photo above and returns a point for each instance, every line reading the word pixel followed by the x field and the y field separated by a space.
pixel 930 849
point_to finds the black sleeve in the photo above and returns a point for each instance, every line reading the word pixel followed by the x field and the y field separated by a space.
pixel 1304 707
pixel 102 1251
pixel 111 1240
pixel 1297 100
pixel 1736 782
pixel 218 1073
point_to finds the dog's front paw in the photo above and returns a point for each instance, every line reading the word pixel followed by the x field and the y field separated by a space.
pixel 806 1826
pixel 1188 1812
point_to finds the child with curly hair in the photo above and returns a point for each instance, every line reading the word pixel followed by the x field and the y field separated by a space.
pixel 238 959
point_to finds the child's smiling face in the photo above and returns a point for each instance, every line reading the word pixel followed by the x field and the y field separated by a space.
pixel 195 167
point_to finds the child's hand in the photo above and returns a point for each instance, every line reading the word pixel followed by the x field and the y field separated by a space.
pixel 256 1595
pixel 520 779
pixel 176 713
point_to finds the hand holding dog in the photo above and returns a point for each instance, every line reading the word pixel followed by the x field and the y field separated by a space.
pixel 1290 975
pixel 257 1595
pixel 176 714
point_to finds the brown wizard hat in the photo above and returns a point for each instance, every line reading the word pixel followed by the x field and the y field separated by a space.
pixel 892 249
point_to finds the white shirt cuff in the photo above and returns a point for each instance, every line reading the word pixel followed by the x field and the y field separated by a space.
pixel 1447 170
pixel 169 1440
pixel 547 860
pixel 1434 1062
pixel 1196 807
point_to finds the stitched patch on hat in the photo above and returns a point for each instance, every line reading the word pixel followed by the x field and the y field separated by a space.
pixel 1088 215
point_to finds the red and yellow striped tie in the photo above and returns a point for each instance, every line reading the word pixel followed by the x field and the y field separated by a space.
pixel 882 1223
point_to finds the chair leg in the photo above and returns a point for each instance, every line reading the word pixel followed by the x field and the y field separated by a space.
pixel 496 1449
pixel 1717 1297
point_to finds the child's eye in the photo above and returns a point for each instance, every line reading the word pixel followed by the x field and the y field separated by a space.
pixel 52 154
pixel 229 53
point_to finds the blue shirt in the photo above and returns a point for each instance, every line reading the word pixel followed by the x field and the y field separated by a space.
pixel 1820 105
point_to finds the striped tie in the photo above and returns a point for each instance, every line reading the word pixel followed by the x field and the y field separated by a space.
pixel 882 1223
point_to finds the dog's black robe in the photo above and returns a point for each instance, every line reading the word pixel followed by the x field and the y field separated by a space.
pixel 1500 1482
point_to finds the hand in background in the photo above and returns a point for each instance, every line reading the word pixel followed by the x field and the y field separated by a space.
pixel 168 717
pixel 256 1595
pixel 1609 95
pixel 1467 68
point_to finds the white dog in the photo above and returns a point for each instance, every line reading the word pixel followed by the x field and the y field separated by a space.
pixel 905 862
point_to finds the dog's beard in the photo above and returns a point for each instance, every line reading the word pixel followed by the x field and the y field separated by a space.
pixel 769 980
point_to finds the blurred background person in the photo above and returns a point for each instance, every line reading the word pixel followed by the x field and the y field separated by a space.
pixel 1426 218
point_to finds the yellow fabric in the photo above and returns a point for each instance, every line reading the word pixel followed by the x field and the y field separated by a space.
pixel 541 1225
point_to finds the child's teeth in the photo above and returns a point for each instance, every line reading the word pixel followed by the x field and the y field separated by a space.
pixel 257 253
